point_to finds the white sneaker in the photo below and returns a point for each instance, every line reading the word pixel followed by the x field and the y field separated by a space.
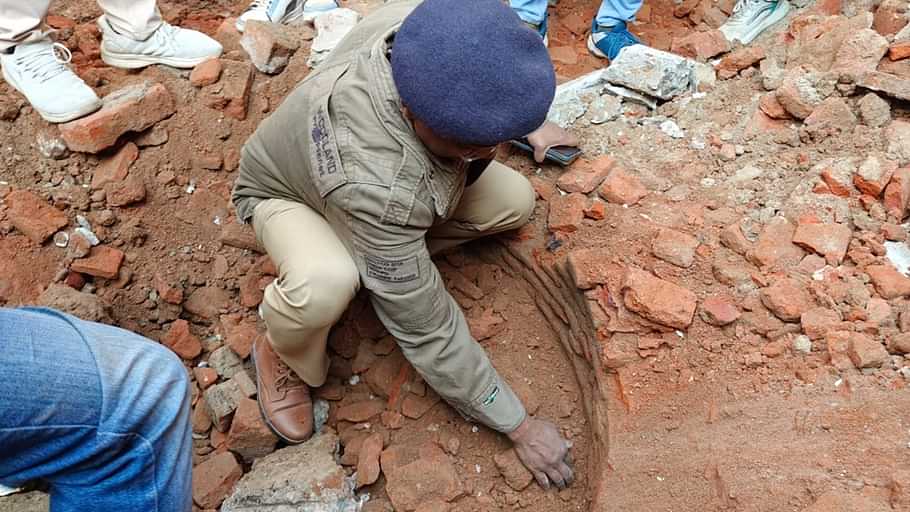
pixel 169 45
pixel 38 70
pixel 751 17
pixel 284 11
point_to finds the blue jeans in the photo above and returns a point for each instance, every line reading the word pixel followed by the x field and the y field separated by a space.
pixel 611 12
pixel 99 413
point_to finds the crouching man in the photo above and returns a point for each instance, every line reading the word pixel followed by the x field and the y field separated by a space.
pixel 380 158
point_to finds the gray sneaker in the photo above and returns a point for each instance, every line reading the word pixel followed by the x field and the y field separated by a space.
pixel 752 17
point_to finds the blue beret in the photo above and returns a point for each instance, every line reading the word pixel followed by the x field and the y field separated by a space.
pixel 472 71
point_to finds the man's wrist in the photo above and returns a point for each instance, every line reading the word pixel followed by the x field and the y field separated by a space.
pixel 519 432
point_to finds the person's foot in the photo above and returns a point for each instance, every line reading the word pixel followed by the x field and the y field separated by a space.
pixel 606 42
pixel 284 399
pixel 751 17
pixel 38 70
pixel 169 45
pixel 283 11
pixel 541 29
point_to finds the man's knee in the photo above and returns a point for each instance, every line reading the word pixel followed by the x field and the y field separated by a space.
pixel 520 202
pixel 312 301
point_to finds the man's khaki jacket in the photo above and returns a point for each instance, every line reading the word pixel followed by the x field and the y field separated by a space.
pixel 340 144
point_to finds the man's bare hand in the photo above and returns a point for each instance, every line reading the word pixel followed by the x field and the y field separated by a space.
pixel 544 452
pixel 547 136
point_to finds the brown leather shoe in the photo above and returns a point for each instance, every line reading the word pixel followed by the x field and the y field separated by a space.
pixel 284 399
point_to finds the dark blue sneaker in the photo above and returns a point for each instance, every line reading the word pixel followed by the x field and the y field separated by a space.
pixel 606 42
pixel 540 29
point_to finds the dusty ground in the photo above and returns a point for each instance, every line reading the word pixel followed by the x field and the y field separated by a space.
pixel 700 418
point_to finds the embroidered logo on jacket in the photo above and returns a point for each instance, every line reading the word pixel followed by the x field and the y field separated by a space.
pixel 322 140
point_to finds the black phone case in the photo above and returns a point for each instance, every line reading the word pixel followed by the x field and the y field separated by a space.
pixel 562 155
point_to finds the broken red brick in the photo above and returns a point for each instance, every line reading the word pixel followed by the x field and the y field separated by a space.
pixel 234 93
pixel 622 188
pixel 897 194
pixel 172 294
pixel 542 187
pixel 214 479
pixel 675 247
pixel 874 174
pixel 741 59
pixel 74 280
pixel 116 168
pixel 830 117
pixel 772 108
pixel 889 283
pixel 133 108
pixel 181 340
pixel 589 267
pixel 838 343
pixel 818 322
pixel 787 299
pixel 797 95
pixel 206 73
pixel 860 52
pixel 249 436
pixel 239 335
pixel 361 411
pixel 33 217
pixel 658 300
pixel 103 262
pixel 893 232
pixel 732 238
pixel 775 247
pixel 841 187
pixel 866 352
pixel 586 176
pixel 899 50
pixel 205 376
pixel 828 240
pixel 890 17
pixel 596 210
pixel 566 212
pixel 125 193
pixel 414 406
pixel 701 45
pixel 762 125
pixel 719 311
pixel 368 460
pixel 425 480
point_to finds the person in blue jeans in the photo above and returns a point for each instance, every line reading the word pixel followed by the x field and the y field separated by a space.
pixel 102 415
pixel 609 33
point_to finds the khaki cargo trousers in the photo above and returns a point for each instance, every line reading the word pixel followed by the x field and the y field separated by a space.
pixel 317 277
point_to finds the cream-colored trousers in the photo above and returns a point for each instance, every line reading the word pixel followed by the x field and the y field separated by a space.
pixel 317 278
pixel 21 20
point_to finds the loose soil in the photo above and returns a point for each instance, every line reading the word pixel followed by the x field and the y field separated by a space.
pixel 695 423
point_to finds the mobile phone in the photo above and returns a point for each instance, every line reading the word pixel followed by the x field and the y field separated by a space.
pixel 562 155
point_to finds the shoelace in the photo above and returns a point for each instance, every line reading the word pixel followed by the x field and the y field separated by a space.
pixel 740 11
pixel 43 65
pixel 287 378
pixel 166 37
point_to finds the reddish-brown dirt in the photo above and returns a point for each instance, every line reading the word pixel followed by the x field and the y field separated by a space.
pixel 701 418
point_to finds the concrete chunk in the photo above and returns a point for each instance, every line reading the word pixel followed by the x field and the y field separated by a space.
pixel 653 72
